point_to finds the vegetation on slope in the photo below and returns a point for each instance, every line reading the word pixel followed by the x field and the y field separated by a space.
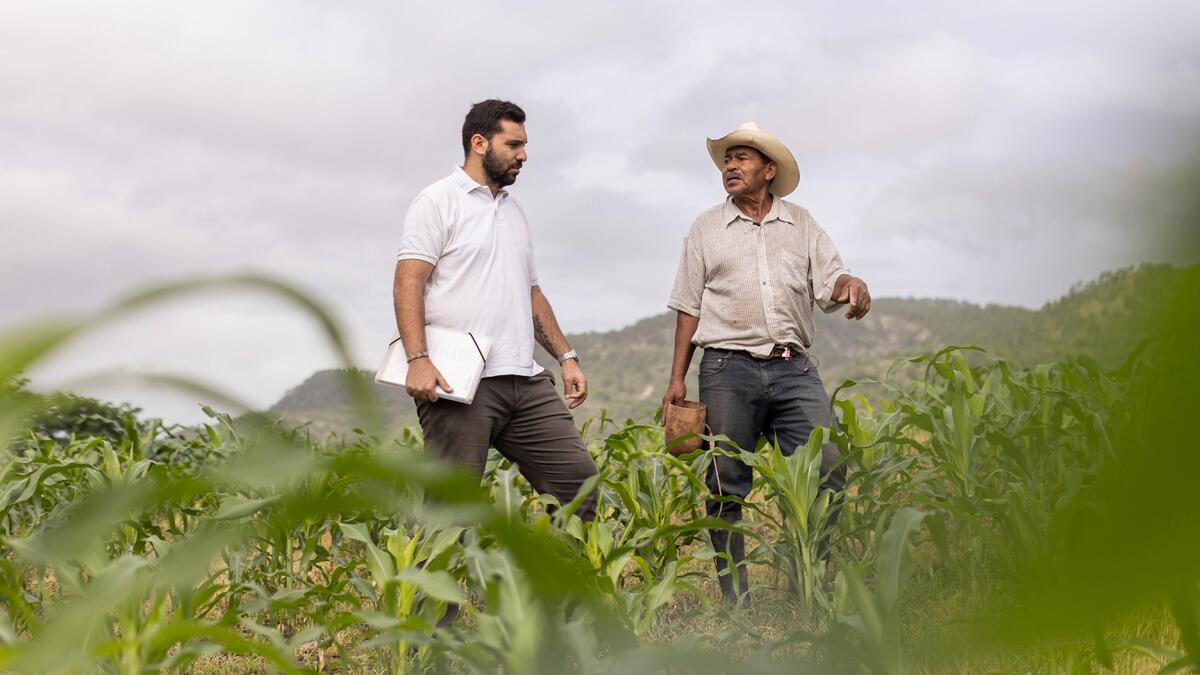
pixel 628 368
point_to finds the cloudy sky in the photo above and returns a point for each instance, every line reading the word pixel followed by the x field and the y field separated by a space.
pixel 989 155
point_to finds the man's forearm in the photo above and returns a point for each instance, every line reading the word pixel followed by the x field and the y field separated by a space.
pixel 685 330
pixel 545 326
pixel 408 296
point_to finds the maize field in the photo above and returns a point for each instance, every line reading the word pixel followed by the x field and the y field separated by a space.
pixel 997 519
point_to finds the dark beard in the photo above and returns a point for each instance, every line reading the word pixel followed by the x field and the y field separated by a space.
pixel 497 171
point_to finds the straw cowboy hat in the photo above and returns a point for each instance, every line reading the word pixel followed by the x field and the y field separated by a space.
pixel 787 172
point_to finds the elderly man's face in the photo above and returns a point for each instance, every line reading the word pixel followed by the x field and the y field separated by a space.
pixel 747 171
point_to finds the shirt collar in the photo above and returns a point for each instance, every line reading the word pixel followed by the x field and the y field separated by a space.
pixel 463 180
pixel 777 212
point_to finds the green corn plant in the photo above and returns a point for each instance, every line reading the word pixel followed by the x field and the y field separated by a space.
pixel 511 627
pixel 42 479
pixel 877 622
pixel 411 584
pixel 802 526
pixel 637 589
pixel 541 612
pixel 656 512
pixel 653 493
pixel 23 589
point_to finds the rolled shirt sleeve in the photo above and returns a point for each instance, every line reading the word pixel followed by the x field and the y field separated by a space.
pixel 826 267
pixel 533 277
pixel 689 279
pixel 424 234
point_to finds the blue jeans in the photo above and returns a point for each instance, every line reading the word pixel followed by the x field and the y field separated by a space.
pixel 782 399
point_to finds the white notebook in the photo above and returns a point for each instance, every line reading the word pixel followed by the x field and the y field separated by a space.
pixel 458 355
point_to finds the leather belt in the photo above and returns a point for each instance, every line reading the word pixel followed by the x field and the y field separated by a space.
pixel 783 352
pixel 777 352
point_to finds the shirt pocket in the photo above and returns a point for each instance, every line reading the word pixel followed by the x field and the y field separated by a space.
pixel 794 273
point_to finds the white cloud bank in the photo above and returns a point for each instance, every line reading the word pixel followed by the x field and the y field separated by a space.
pixel 996 156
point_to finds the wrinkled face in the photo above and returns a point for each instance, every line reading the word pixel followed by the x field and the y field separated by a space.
pixel 747 171
pixel 504 153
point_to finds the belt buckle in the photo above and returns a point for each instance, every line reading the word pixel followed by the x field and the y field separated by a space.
pixel 787 352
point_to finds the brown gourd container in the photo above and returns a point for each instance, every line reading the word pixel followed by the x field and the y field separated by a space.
pixel 689 417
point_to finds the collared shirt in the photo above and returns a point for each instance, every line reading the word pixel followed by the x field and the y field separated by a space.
pixel 483 269
pixel 753 285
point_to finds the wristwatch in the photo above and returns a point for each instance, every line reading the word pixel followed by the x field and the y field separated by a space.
pixel 569 355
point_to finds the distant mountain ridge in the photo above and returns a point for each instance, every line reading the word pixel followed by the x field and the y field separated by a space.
pixel 628 368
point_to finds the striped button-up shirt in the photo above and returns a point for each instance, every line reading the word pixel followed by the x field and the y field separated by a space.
pixel 753 285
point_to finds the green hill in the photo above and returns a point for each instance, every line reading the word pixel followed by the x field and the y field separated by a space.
pixel 628 368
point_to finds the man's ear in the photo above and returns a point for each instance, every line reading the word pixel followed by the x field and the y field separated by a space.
pixel 772 169
pixel 480 144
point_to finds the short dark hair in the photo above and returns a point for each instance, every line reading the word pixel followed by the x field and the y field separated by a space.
pixel 484 118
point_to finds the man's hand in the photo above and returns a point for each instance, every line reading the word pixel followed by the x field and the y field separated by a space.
pixel 423 378
pixel 676 392
pixel 574 383
pixel 854 291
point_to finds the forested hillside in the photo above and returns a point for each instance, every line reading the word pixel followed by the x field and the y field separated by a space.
pixel 628 368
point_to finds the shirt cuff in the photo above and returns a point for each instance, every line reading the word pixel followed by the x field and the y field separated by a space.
pixel 412 255
pixel 825 299
pixel 683 307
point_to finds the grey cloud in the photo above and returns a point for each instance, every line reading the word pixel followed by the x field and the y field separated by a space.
pixel 974 203
pixel 613 257
pixel 144 142
pixel 885 97
pixel 1018 231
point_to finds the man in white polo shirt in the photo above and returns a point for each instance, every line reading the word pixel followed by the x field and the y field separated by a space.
pixel 466 262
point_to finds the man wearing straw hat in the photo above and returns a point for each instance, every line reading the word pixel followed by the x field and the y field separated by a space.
pixel 752 267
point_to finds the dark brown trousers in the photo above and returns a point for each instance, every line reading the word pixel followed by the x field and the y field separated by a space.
pixel 526 421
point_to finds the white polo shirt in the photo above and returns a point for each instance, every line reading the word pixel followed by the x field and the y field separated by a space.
pixel 483 270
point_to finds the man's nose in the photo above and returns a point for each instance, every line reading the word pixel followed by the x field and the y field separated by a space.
pixel 521 156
